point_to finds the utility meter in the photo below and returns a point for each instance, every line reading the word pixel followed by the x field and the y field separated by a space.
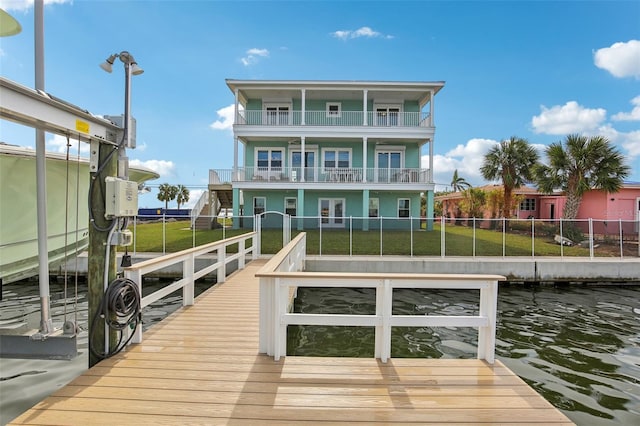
pixel 121 199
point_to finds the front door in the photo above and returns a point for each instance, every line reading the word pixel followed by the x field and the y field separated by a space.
pixel 332 212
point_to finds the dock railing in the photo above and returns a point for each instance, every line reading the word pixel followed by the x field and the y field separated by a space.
pixel 285 273
pixel 190 273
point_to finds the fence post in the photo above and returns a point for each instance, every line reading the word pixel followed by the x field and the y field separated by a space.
pixel 135 235
pixel 164 233
pixel 381 225
pixel 533 237
pixel 411 231
pixel 561 240
pixel 621 235
pixel 350 235
pixel 442 236
pixel 591 238
pixel 504 236
pixel 474 236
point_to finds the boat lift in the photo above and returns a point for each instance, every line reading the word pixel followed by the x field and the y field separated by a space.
pixel 45 112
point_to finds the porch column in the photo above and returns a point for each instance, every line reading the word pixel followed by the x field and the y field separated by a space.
pixel 364 107
pixel 365 210
pixel 235 112
pixel 304 107
pixel 364 159
pixel 430 174
pixel 300 211
pixel 236 175
pixel 302 160
pixel 431 101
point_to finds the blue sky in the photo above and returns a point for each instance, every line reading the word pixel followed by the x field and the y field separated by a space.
pixel 538 70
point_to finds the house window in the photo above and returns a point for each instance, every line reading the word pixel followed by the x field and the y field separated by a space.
pixel 269 159
pixel 337 159
pixel 404 205
pixel 277 114
pixel 374 207
pixel 259 205
pixel 334 109
pixel 290 206
pixel 528 204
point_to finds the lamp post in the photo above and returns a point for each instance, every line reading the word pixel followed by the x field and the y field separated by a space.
pixel 102 259
pixel 131 67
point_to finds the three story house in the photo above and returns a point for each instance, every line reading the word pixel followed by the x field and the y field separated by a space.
pixel 327 151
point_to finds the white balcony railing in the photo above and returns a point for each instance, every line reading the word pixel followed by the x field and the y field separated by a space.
pixel 344 118
pixel 318 174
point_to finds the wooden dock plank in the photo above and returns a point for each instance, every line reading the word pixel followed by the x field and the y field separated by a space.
pixel 201 366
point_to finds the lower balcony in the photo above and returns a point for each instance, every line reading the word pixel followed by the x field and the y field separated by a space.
pixel 317 174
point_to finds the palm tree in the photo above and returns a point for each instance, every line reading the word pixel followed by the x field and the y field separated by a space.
pixel 459 183
pixel 473 200
pixel 182 195
pixel 166 193
pixel 578 165
pixel 511 161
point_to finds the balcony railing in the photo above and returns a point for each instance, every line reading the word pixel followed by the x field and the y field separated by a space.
pixel 318 174
pixel 344 118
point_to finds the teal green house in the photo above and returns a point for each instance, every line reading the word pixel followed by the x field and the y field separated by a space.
pixel 329 153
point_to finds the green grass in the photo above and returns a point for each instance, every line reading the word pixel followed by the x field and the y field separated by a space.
pixel 459 241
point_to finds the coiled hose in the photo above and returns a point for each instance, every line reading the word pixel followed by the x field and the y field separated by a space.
pixel 120 309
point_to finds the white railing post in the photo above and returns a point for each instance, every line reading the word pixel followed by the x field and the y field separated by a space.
pixel 387 306
pixel 350 235
pixel 620 236
pixel 241 252
pixel 381 226
pixel 267 316
pixel 187 273
pixel 561 240
pixel 379 329
pixel 474 237
pixel 411 233
pixel 487 334
pixel 164 232
pixel 504 236
pixel 222 269
pixel 533 237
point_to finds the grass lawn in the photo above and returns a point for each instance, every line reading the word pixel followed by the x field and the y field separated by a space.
pixel 459 241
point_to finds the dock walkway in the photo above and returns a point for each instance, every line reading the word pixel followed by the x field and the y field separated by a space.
pixel 201 366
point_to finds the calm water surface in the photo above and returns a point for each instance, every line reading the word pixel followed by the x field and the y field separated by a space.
pixel 577 346
pixel 24 383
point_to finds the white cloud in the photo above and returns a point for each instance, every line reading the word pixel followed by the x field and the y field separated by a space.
pixel 58 143
pixel 162 167
pixel 23 5
pixel 225 118
pixel 631 143
pixel 467 159
pixel 360 32
pixel 620 59
pixel 194 196
pixel 568 118
pixel 634 115
pixel 253 55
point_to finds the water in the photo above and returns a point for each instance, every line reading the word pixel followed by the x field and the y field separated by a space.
pixel 24 383
pixel 579 347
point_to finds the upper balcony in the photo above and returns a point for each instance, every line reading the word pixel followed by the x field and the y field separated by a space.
pixel 387 118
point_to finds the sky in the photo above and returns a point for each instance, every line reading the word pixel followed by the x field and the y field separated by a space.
pixel 538 70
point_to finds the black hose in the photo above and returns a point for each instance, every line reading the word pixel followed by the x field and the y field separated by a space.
pixel 120 308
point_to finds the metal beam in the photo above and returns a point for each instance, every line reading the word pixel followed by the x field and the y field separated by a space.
pixel 44 111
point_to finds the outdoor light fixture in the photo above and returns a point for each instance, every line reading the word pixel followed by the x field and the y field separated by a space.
pixel 128 141
pixel 126 58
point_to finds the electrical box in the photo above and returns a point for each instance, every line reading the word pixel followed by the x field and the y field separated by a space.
pixel 121 198
pixel 122 238
pixel 118 120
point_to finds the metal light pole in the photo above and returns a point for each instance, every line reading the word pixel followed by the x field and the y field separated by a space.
pixel 102 259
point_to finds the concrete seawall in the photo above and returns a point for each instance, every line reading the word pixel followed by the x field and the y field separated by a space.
pixel 537 269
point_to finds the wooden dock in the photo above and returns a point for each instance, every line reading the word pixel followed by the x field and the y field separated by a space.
pixel 201 366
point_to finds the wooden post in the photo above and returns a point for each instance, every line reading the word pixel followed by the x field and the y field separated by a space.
pixel 97 253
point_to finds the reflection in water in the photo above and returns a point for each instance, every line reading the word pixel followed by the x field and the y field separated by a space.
pixel 577 346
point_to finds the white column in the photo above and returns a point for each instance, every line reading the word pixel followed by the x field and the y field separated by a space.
pixel 302 159
pixel 364 107
pixel 304 107
pixel 235 112
pixel 431 102
pixel 364 159
pixel 235 157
